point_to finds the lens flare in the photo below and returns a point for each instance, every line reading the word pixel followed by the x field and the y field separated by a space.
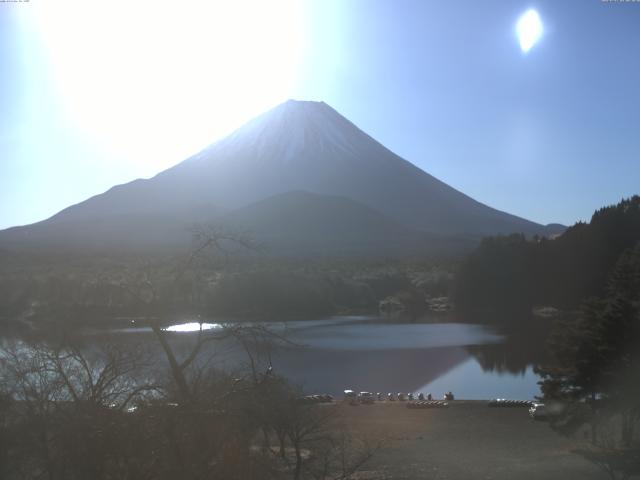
pixel 529 30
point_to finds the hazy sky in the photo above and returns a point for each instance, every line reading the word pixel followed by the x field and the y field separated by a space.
pixel 94 94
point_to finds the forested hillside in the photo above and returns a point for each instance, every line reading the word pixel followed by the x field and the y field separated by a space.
pixel 516 273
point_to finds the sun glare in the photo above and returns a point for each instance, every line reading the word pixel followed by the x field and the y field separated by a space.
pixel 192 327
pixel 529 30
pixel 156 81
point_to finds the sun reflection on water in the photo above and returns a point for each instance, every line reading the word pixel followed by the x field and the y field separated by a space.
pixel 192 327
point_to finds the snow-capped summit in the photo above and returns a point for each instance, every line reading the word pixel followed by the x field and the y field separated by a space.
pixel 293 127
pixel 294 131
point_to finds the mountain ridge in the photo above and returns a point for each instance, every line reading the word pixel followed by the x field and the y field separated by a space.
pixel 296 146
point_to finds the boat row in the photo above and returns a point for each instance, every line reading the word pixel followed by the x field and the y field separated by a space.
pixel 502 402
pixel 428 404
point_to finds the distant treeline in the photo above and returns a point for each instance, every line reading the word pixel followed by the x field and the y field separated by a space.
pixel 516 273
pixel 98 291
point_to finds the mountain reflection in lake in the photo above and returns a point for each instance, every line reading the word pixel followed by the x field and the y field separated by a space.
pixel 368 353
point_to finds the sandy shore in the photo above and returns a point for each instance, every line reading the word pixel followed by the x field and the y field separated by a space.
pixel 468 440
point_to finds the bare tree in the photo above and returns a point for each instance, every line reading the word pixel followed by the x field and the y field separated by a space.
pixel 65 401
pixel 92 412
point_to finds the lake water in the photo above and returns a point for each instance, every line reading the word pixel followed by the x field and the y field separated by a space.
pixel 372 354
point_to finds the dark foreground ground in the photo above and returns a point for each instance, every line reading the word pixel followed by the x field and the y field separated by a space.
pixel 468 440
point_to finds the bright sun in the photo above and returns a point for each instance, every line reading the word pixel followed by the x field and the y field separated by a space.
pixel 529 30
pixel 178 74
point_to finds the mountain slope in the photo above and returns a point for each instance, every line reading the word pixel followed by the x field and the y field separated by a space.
pixel 305 222
pixel 295 146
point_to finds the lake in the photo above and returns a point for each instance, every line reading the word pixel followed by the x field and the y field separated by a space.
pixel 368 353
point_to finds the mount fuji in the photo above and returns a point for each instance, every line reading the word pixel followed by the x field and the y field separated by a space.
pixel 300 177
